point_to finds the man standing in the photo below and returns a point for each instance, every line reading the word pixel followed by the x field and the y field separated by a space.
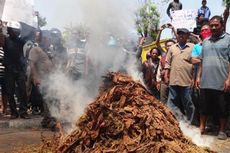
pixel 181 72
pixel 41 66
pixel 161 86
pixel 203 15
pixel 173 6
pixel 214 76
pixel 15 65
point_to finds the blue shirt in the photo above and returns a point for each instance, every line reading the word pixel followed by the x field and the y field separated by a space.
pixel 215 62
pixel 205 11
pixel 197 49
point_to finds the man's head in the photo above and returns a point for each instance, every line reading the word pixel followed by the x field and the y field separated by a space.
pixel 154 53
pixel 55 36
pixel 169 43
pixel 216 24
pixel 183 35
pixel 205 31
pixel 38 35
pixel 14 29
pixel 204 2
pixel 176 1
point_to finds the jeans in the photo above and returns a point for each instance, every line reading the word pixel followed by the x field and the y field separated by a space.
pixel 180 98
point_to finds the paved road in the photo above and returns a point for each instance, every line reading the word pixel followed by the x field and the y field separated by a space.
pixel 12 139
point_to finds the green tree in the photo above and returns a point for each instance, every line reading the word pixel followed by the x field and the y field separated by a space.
pixel 226 3
pixel 147 20
pixel 41 20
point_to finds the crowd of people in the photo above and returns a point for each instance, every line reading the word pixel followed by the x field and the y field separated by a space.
pixel 193 77
pixel 25 64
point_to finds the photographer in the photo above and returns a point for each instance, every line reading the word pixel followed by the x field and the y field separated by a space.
pixel 161 85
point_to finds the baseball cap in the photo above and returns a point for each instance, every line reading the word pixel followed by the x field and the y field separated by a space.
pixel 182 30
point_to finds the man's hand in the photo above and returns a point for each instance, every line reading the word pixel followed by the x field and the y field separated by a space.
pixel 197 83
pixel 227 85
pixel 36 82
pixel 158 86
pixel 166 79
pixel 142 40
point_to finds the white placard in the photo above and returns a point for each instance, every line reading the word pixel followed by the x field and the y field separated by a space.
pixel 19 10
pixel 184 19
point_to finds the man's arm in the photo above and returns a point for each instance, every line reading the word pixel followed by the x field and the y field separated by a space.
pixel 174 31
pixel 139 48
pixel 167 66
pixel 168 10
pixel 197 83
pixel 227 82
pixel 226 15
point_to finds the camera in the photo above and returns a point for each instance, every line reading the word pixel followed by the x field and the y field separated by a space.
pixel 166 25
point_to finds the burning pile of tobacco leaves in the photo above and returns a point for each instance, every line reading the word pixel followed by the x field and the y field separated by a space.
pixel 124 118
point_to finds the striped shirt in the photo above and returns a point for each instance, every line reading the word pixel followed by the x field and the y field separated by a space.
pixel 2 67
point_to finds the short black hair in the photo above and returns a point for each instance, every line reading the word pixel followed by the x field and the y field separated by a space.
pixel 170 40
pixel 219 18
pixel 158 50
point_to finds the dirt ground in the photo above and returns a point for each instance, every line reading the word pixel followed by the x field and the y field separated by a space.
pixel 13 139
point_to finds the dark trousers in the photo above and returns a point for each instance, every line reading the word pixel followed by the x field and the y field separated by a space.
pixel 36 98
pixel 19 78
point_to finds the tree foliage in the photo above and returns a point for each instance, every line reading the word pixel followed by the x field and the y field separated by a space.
pixel 227 3
pixel 41 20
pixel 147 20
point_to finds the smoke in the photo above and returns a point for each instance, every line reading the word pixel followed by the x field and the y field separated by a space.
pixel 111 26
pixel 194 134
pixel 189 130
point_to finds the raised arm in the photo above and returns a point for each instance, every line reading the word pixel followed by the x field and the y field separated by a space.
pixel 168 10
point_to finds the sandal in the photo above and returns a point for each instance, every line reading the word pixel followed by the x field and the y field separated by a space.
pixel 202 131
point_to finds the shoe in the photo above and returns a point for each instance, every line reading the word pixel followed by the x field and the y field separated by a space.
pixel 13 116
pixel 36 111
pixel 222 136
pixel 24 116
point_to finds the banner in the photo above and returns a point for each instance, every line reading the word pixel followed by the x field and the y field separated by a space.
pixel 184 19
pixel 19 10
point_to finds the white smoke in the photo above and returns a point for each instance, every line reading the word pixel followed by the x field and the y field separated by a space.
pixel 108 21
pixel 194 134
pixel 189 130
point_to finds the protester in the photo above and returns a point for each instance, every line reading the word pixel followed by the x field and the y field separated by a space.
pixel 161 85
pixel 150 70
pixel 196 52
pixel 59 52
pixel 2 72
pixel 181 70
pixel 33 93
pixel 203 12
pixel 173 6
pixel 203 15
pixel 15 70
pixel 41 66
pixel 214 76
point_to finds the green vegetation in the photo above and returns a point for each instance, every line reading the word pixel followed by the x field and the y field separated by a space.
pixel 147 20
